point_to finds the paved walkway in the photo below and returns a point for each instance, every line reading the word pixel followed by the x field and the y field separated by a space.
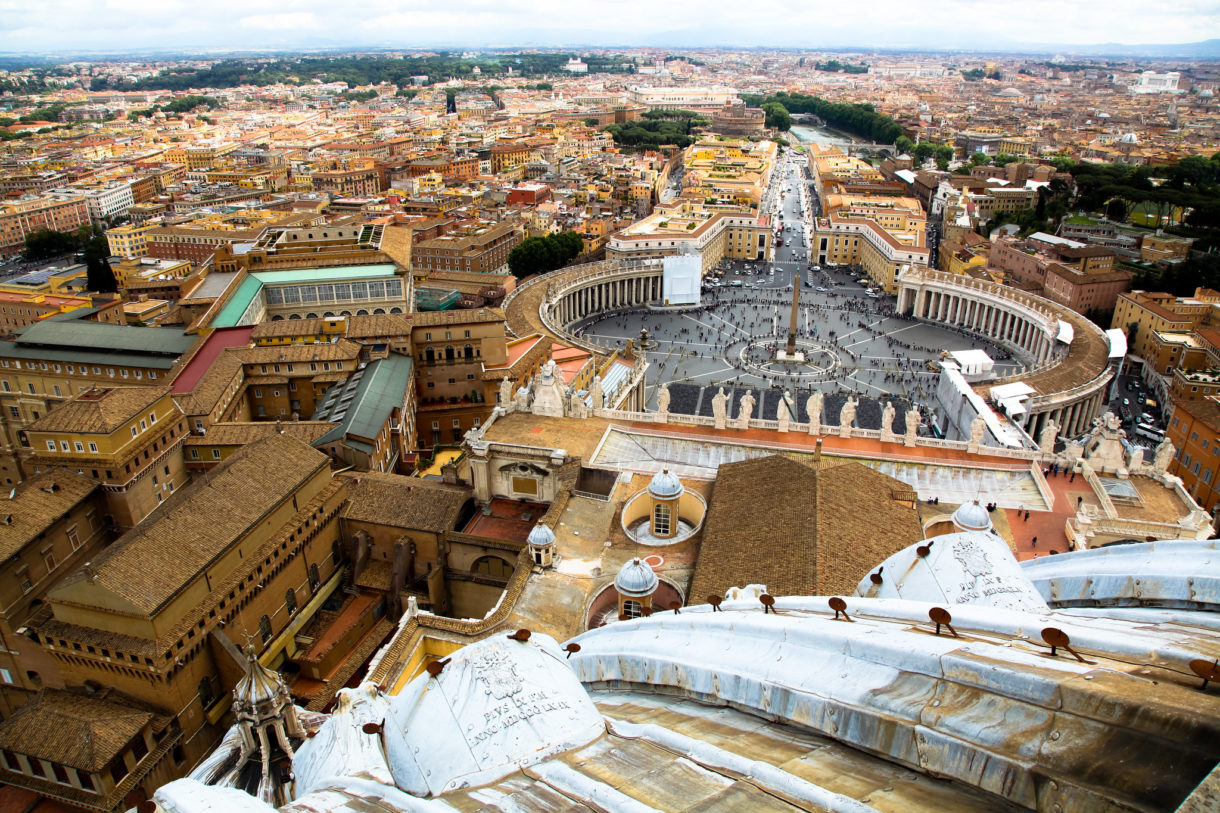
pixel 874 352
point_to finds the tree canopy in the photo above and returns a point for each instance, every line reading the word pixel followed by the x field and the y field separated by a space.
pixel 835 66
pixel 860 119
pixel 535 255
pixel 653 133
pixel 356 71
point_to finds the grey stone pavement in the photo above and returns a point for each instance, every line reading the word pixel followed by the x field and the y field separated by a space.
pixel 854 343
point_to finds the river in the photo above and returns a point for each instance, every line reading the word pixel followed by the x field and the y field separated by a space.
pixel 821 135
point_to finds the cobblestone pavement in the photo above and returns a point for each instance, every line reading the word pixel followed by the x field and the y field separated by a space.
pixel 855 343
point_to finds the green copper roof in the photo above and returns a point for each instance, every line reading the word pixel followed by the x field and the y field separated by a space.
pixel 362 404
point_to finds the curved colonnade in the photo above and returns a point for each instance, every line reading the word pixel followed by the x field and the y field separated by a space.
pixel 613 287
pixel 1069 379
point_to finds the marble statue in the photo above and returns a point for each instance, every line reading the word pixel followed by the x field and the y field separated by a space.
pixel 663 398
pixel 747 409
pixel 597 394
pixel 720 408
pixel 1047 437
pixel 887 418
pixel 1163 455
pixel 813 407
pixel 1104 448
pixel 506 391
pixel 913 419
pixel 548 369
pixel 847 416
pixel 783 412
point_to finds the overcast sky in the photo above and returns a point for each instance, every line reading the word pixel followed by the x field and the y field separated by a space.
pixel 115 25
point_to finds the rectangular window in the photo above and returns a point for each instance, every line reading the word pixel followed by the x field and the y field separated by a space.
pixel 134 431
pixel 48 559
pixel 216 454
pixel 73 537
pixel 93 447
pixel 143 425
pixel 63 444
pixel 152 417
pixel 50 445
pixel 80 447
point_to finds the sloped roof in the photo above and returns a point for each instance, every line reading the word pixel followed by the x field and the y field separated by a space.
pixel 101 336
pixel 37 504
pixel 99 410
pixel 362 404
pixel 151 562
pixel 72 729
pixel 800 531
pixel 404 502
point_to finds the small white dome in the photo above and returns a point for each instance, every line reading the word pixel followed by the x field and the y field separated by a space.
pixel 665 486
pixel 970 516
pixel 635 579
pixel 541 536
pixel 1129 138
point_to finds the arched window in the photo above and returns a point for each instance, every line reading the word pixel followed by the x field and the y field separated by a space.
pixel 469 352
pixel 290 600
pixel 264 628
pixel 336 551
pixel 632 609
pixel 449 356
pixel 315 580
pixel 660 520
pixel 429 355
pixel 492 566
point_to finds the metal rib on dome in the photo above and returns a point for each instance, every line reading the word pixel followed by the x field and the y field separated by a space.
pixel 635 579
pixel 665 486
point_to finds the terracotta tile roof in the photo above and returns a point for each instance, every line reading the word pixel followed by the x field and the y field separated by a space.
pixel 404 502
pixel 458 317
pixel 212 386
pixel 99 410
pixel 37 504
pixel 323 351
pixel 377 325
pixel 287 327
pixel 73 729
pixel 776 521
pixel 242 433
pixel 149 564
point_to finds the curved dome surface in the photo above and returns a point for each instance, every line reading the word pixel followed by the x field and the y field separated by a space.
pixel 635 578
pixel 665 486
pixel 541 536
pixel 970 516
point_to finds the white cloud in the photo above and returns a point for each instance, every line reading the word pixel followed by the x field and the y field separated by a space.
pixel 114 25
